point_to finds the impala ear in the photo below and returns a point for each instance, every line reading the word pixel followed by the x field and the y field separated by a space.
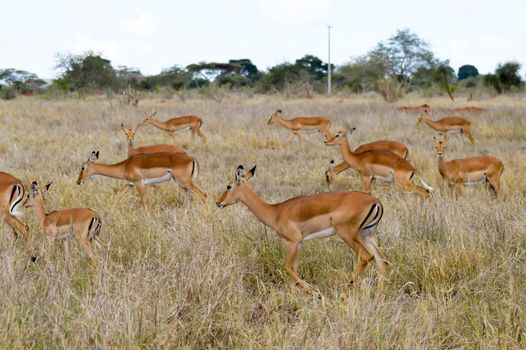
pixel 251 173
pixel 240 173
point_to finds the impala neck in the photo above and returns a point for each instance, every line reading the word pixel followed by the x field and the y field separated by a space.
pixel 431 123
pixel 265 212
pixel 347 153
pixel 156 123
pixel 441 164
pixel 282 121
pixel 39 207
pixel 131 148
pixel 111 170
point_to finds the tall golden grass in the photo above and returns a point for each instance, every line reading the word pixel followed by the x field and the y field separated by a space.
pixel 193 276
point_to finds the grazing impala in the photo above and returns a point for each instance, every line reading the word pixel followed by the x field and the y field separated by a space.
pixel 382 145
pixel 469 171
pixel 449 125
pixel 162 148
pixel 379 165
pixel 178 124
pixel 11 197
pixel 412 109
pixel 353 216
pixel 83 224
pixel 143 169
pixel 302 124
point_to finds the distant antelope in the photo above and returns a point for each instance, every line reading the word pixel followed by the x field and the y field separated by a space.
pixel 302 124
pixel 132 150
pixel 411 109
pixel 379 165
pixel 83 224
pixel 382 145
pixel 179 124
pixel 469 171
pixel 449 125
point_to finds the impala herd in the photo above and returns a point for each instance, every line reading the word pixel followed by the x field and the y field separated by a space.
pixel 353 216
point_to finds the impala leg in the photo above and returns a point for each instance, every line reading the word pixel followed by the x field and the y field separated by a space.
pixel 298 135
pixel 291 263
pixel 470 136
pixel 458 189
pixel 370 243
pixel 494 183
pixel 446 137
pixel 408 185
pixel 366 183
pixel 350 235
pixel 89 249
pixel 21 230
pixel 200 134
pixel 200 194
pixel 142 193
pixel 119 194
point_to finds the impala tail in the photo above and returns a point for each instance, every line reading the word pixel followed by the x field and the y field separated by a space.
pixel 195 169
pixel 424 184
pixel 16 198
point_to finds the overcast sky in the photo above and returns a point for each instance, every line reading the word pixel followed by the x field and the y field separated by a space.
pixel 153 34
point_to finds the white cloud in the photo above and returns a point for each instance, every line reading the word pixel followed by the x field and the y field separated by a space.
pixel 296 11
pixel 139 24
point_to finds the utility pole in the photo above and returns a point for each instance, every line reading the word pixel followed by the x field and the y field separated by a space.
pixel 329 64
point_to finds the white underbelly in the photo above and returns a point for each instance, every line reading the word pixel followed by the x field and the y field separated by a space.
pixel 156 180
pixel 454 131
pixel 310 131
pixel 321 234
pixel 186 128
pixel 384 178
pixel 475 182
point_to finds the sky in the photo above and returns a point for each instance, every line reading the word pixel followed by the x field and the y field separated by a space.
pixel 152 35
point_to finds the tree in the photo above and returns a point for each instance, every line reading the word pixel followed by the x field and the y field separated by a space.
pixel 279 77
pixel 467 71
pixel 402 55
pixel 87 72
pixel 14 82
pixel 361 74
pixel 508 74
pixel 312 65
pixel 492 81
pixel 247 69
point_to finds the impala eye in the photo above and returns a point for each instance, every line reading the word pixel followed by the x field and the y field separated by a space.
pixel 228 187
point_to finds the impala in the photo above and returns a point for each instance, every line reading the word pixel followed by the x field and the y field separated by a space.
pixel 302 124
pixel 382 145
pixel 468 109
pixel 143 169
pixel 178 124
pixel 469 171
pixel 414 108
pixel 11 197
pixel 449 125
pixel 353 216
pixel 379 165
pixel 162 148
pixel 83 224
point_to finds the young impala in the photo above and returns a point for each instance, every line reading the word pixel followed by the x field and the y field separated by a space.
pixel 11 197
pixel 469 171
pixel 449 125
pixel 302 124
pixel 353 216
pixel 382 145
pixel 132 150
pixel 178 124
pixel 379 165
pixel 143 169
pixel 83 224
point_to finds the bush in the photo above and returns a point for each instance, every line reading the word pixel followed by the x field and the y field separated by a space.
pixel 7 93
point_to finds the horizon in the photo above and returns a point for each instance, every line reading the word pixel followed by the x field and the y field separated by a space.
pixel 156 36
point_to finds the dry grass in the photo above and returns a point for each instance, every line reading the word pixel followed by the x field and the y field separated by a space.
pixel 198 277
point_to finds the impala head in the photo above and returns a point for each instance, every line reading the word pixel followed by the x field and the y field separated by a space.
pixel 422 116
pixel 33 194
pixel 130 132
pixel 329 174
pixel 87 167
pixel 440 146
pixel 274 115
pixel 339 137
pixel 232 192
pixel 148 119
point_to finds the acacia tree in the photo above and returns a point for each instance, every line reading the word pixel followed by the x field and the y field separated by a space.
pixel 402 55
pixel 508 74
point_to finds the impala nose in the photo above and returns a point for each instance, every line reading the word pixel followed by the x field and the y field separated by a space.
pixel 219 205
pixel 79 182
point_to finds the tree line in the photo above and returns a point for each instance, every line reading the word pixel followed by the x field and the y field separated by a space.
pixel 399 65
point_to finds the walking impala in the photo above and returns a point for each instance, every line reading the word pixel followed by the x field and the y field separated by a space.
pixel 302 124
pixel 82 223
pixel 11 197
pixel 380 165
pixel 469 171
pixel 161 148
pixel 143 169
pixel 449 125
pixel 178 124
pixel 353 216
pixel 382 145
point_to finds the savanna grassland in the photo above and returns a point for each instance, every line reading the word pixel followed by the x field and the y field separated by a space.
pixel 194 276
